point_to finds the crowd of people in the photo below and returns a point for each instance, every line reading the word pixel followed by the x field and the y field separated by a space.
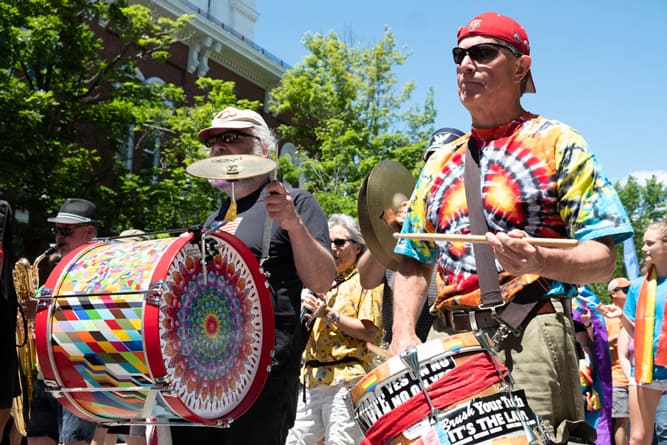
pixel 526 177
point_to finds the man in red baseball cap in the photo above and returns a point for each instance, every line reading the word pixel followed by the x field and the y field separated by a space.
pixel 509 33
pixel 537 178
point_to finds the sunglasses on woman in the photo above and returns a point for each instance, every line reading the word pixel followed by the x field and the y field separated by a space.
pixel 482 53
pixel 229 137
pixel 340 242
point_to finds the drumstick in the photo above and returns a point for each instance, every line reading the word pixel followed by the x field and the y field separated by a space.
pixel 378 350
pixel 546 242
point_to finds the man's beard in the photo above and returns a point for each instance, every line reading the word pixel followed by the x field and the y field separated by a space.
pixel 242 187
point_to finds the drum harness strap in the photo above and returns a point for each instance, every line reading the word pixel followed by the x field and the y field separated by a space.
pixel 513 316
pixel 266 236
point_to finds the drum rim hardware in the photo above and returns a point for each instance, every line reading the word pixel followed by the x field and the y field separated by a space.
pixel 508 383
pixel 410 359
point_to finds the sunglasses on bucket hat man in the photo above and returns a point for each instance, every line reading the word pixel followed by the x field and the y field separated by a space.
pixel 228 137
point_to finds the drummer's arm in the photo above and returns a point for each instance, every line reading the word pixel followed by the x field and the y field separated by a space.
pixel 314 264
pixel 371 271
pixel 410 290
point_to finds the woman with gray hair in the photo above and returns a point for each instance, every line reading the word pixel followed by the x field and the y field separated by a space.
pixel 336 355
pixel 352 226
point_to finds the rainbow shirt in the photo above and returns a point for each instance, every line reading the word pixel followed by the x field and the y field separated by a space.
pixel 538 175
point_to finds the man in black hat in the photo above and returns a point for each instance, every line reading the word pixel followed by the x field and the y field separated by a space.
pixel 74 225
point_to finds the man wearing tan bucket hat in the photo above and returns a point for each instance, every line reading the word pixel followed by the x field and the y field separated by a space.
pixel 297 255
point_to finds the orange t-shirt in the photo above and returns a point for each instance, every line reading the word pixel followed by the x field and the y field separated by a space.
pixel 614 326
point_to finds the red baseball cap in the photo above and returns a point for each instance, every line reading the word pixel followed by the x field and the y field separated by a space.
pixel 501 27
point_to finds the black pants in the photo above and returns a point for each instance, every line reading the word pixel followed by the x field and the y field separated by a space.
pixel 267 422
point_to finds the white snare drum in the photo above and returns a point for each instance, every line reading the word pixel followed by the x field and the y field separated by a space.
pixel 390 408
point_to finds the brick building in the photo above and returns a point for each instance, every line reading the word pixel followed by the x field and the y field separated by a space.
pixel 219 45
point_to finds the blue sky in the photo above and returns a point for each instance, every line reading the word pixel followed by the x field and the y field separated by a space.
pixel 599 66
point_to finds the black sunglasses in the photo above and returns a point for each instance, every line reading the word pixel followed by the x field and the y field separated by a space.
pixel 229 137
pixel 339 242
pixel 65 231
pixel 482 53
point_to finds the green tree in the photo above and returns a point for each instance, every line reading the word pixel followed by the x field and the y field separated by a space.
pixel 645 204
pixel 350 114
pixel 68 104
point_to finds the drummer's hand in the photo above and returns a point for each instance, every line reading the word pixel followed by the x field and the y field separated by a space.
pixel 400 343
pixel 517 257
pixel 280 207
pixel 29 308
pixel 402 210
pixel 311 302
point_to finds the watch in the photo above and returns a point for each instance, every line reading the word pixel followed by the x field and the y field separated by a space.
pixel 334 317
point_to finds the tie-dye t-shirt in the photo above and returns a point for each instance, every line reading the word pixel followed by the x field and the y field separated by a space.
pixel 537 175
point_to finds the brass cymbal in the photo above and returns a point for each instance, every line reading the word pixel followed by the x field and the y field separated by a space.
pixel 385 187
pixel 231 167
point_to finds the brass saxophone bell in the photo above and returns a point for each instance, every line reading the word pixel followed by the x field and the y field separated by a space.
pixel 26 284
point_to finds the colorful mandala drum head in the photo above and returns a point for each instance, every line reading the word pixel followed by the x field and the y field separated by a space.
pixel 149 329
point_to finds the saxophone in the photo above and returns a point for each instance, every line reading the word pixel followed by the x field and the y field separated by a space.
pixel 26 283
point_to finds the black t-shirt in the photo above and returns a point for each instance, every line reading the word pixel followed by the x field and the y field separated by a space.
pixel 284 283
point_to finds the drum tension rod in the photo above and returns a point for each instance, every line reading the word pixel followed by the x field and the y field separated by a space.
pixel 208 246
pixel 411 361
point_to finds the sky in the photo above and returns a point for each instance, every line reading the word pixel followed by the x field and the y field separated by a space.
pixel 599 66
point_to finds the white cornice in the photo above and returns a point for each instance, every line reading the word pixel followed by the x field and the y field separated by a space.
pixel 246 10
pixel 208 40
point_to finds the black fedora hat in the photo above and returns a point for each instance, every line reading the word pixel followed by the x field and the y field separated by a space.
pixel 76 211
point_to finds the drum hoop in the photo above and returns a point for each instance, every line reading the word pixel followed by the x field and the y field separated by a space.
pixel 151 320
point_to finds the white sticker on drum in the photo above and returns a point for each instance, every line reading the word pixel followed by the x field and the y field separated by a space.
pixel 483 420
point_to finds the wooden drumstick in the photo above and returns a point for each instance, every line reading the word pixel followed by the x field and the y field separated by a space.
pixel 545 242
pixel 378 351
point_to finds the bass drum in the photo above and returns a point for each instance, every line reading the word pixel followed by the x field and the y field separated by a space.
pixel 146 329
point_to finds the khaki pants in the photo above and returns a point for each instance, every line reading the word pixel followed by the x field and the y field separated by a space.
pixel 543 362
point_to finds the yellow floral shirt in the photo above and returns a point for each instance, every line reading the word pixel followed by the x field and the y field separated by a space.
pixel 328 343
